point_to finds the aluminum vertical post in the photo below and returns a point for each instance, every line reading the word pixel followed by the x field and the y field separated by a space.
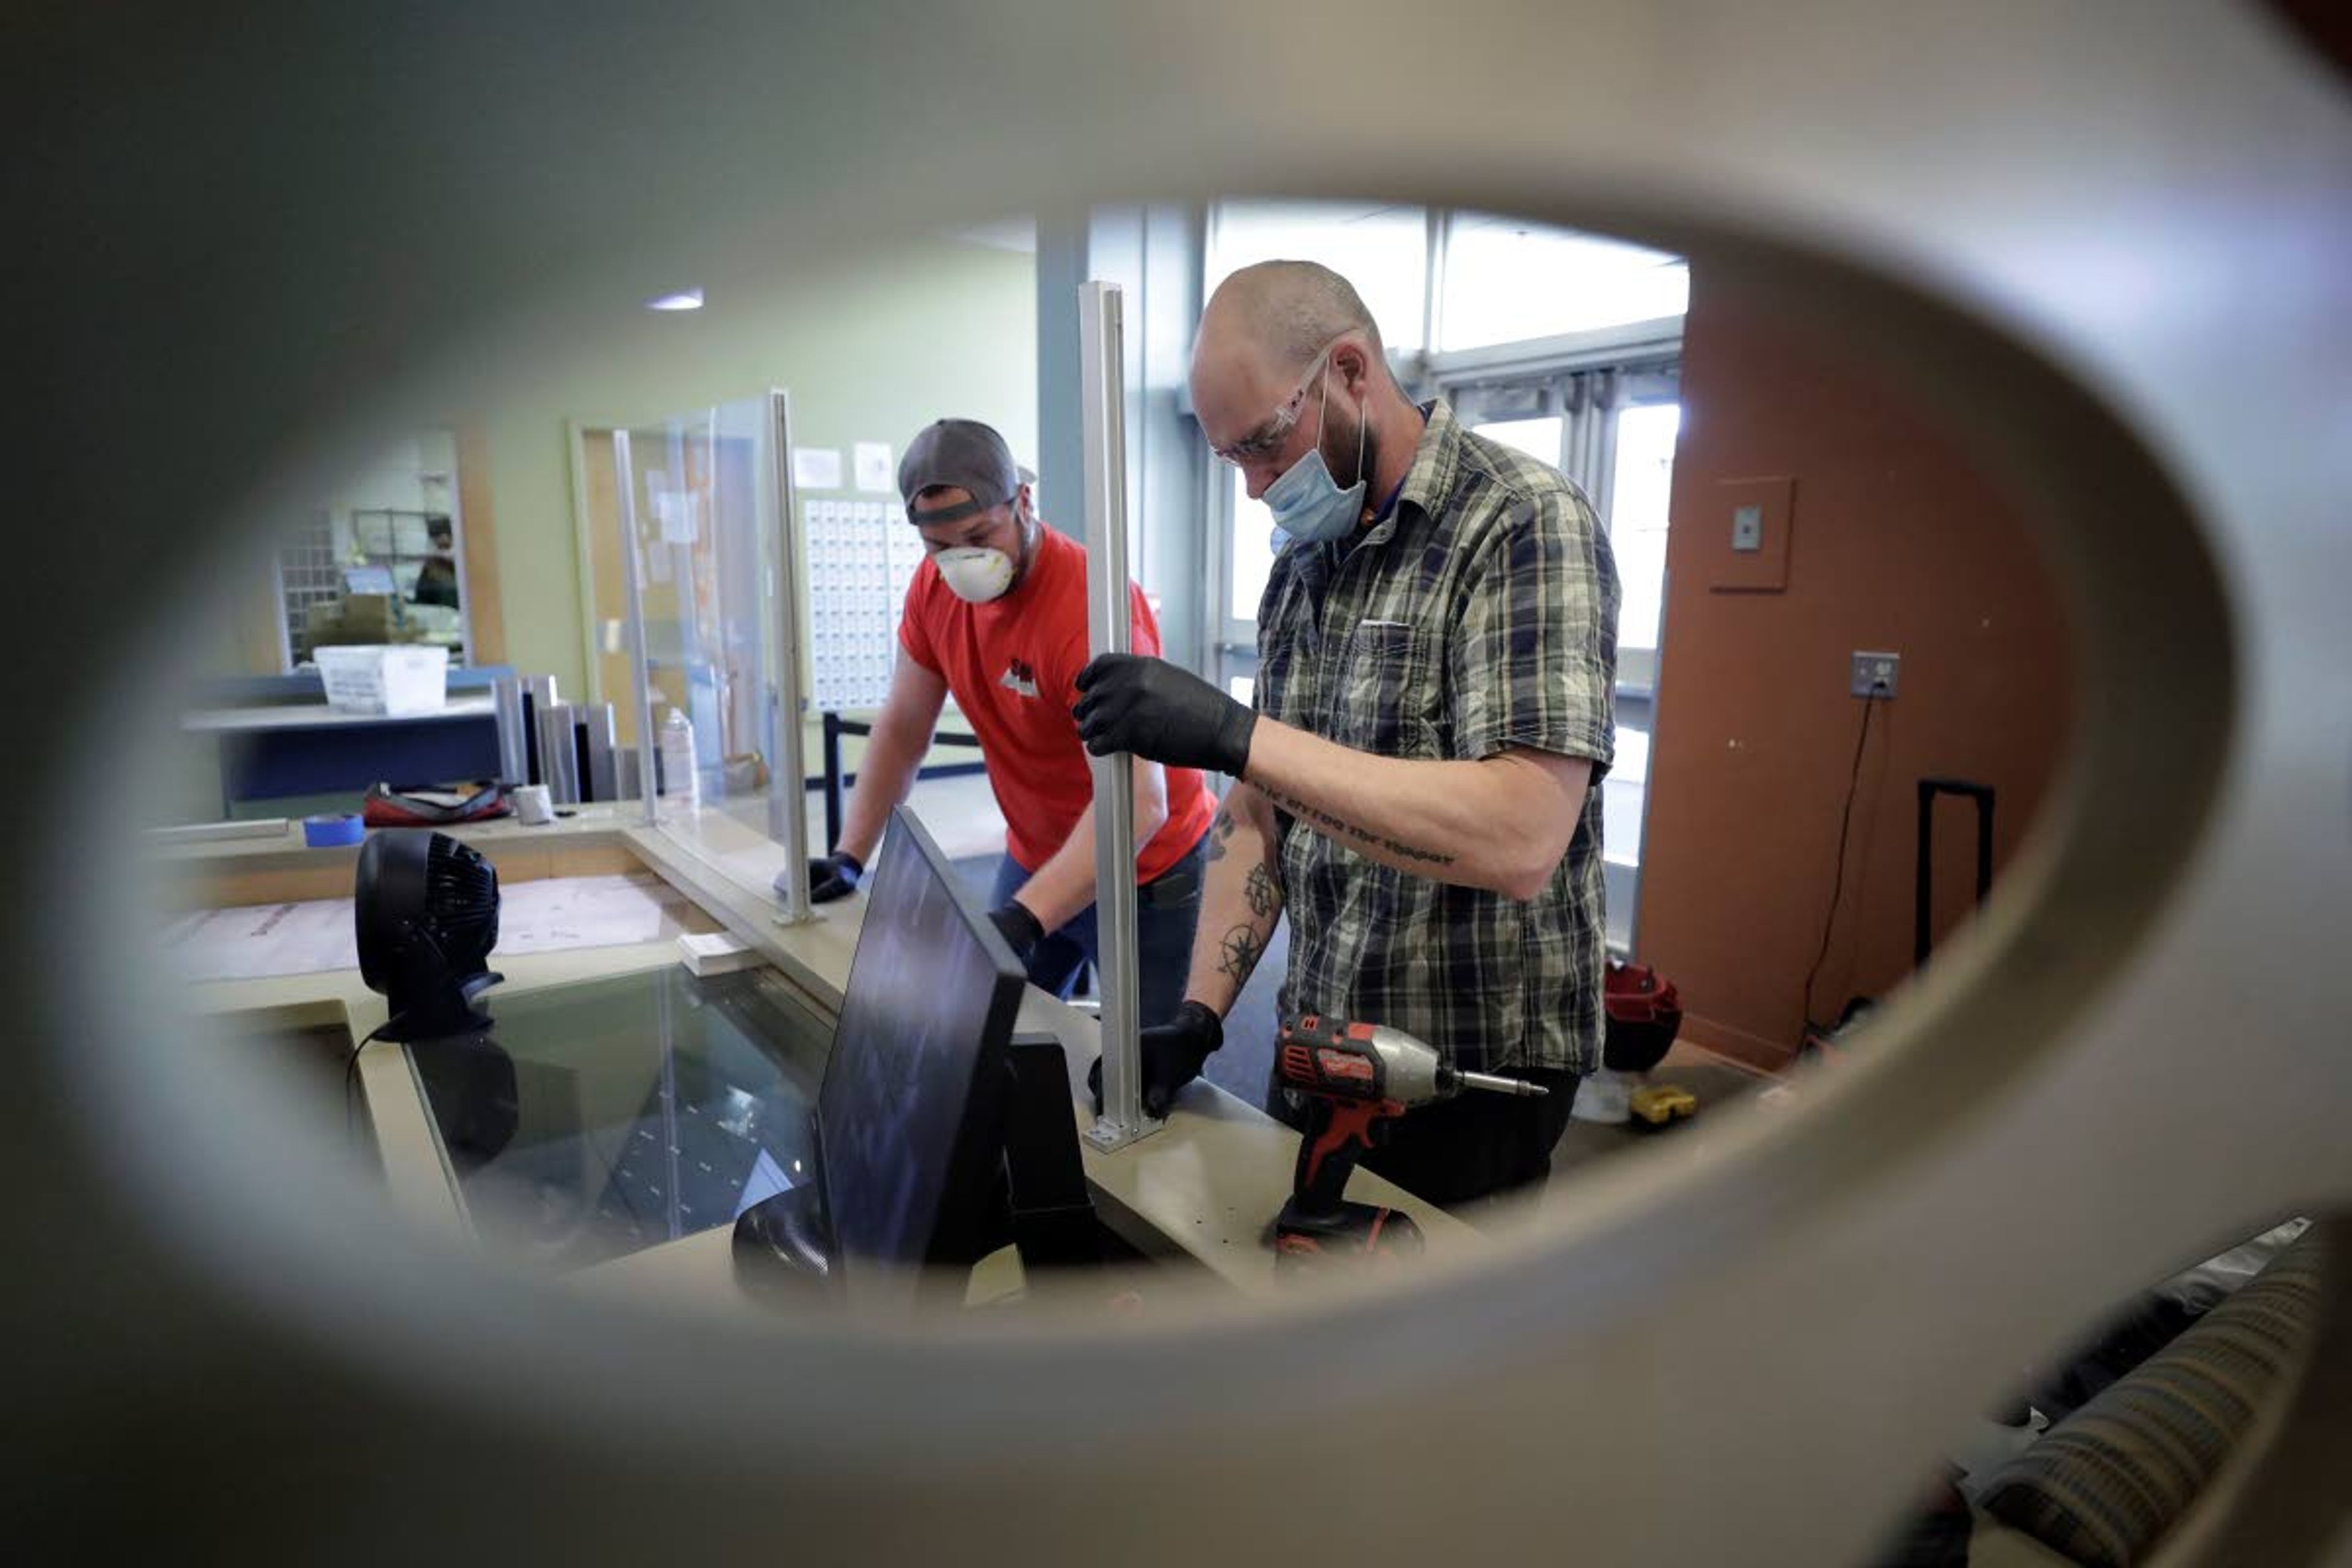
pixel 788 774
pixel 1102 404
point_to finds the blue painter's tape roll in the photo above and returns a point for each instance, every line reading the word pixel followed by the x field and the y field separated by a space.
pixel 326 832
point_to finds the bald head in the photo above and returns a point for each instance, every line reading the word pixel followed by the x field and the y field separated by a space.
pixel 1282 313
pixel 1261 333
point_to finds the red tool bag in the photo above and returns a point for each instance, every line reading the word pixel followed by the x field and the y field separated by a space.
pixel 427 806
pixel 1644 1015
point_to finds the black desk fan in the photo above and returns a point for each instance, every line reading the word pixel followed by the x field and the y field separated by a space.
pixel 426 909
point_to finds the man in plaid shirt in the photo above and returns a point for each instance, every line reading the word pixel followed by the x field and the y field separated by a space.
pixel 1419 784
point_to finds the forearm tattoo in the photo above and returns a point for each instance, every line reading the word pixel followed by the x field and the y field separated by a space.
pixel 1219 831
pixel 1264 897
pixel 1238 953
pixel 1349 830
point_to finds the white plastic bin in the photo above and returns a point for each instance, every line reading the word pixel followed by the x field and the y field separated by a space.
pixel 386 678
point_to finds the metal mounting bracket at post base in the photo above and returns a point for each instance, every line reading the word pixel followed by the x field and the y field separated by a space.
pixel 1107 1135
pixel 1102 402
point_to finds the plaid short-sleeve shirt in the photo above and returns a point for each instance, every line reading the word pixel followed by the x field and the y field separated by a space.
pixel 1480 614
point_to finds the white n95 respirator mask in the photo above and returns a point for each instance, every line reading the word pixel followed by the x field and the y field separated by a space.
pixel 975 574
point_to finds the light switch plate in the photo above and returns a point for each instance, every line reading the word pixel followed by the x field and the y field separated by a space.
pixel 1874 674
pixel 1755 558
pixel 1748 528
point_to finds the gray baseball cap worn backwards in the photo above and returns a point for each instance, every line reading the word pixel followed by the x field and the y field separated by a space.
pixel 962 453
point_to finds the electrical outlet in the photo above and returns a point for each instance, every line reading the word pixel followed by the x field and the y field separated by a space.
pixel 1874 674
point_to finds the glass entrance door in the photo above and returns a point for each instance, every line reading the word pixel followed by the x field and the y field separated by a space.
pixel 1639 488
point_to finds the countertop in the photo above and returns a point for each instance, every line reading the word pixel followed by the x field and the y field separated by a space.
pixel 1203 1187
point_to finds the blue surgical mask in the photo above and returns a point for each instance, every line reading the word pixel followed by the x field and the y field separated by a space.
pixel 1306 501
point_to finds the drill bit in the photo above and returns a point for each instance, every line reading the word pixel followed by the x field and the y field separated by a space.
pixel 1493 1084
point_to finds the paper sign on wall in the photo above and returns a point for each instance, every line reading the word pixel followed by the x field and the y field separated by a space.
pixel 816 467
pixel 874 470
pixel 679 512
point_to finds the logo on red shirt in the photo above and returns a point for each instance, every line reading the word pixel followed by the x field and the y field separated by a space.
pixel 1019 679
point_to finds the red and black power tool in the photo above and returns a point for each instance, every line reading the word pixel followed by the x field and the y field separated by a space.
pixel 1354 1076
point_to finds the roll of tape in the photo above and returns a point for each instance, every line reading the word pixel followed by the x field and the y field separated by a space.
pixel 327 832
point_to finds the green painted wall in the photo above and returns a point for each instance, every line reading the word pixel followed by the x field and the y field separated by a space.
pixel 945 327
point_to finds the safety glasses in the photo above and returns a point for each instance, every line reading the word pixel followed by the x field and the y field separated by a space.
pixel 1268 438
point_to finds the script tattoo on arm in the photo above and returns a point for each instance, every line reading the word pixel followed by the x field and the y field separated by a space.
pixel 1349 830
pixel 1219 831
pixel 1264 897
pixel 1240 952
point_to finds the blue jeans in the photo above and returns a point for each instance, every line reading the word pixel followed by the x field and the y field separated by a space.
pixel 1166 908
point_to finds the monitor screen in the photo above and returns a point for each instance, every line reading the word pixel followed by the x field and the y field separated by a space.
pixel 909 1116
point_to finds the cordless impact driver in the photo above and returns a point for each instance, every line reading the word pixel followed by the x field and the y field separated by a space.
pixel 1355 1075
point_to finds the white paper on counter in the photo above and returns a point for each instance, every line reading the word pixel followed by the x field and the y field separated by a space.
pixel 551 914
pixel 263 940
pixel 555 914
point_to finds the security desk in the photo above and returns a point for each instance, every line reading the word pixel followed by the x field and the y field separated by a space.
pixel 1197 1193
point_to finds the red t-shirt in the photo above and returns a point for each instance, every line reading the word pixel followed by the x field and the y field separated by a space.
pixel 1012 666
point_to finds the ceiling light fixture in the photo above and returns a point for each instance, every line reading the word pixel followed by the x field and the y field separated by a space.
pixel 683 299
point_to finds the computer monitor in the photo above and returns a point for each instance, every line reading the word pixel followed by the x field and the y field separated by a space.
pixel 910 1118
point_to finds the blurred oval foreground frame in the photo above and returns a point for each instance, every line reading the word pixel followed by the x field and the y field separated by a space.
pixel 1752 1362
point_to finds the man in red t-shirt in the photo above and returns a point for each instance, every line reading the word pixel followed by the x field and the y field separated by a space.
pixel 997 616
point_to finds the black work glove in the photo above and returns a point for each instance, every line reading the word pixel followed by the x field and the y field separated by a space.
pixel 835 877
pixel 1173 1054
pixel 1163 714
pixel 1018 927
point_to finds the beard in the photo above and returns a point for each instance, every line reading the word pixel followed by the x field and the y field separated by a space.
pixel 1031 527
pixel 1341 451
